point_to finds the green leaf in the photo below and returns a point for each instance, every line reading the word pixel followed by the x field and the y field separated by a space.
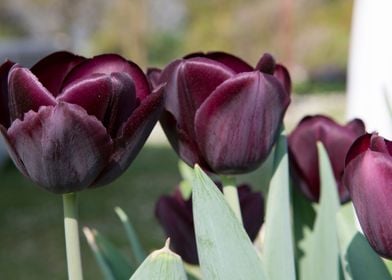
pixel 187 176
pixel 321 261
pixel 278 253
pixel 136 247
pixel 224 248
pixel 304 216
pixel 161 264
pixel 359 261
pixel 112 263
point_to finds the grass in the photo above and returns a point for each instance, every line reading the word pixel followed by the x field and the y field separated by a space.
pixel 31 231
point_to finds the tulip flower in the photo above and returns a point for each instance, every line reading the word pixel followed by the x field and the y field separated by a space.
pixel 368 177
pixel 336 139
pixel 72 123
pixel 222 113
pixel 175 215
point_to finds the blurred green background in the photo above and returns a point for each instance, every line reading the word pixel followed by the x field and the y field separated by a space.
pixel 310 37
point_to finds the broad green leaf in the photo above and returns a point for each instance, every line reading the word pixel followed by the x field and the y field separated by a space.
pixel 304 216
pixel 193 271
pixel 161 264
pixel 321 262
pixel 388 264
pixel 136 248
pixel 359 261
pixel 112 263
pixel 278 253
pixel 187 176
pixel 224 248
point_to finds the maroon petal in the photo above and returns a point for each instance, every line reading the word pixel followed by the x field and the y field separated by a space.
pixel 381 145
pixel 266 64
pixel 252 209
pixel 182 143
pixel 26 93
pixel 12 152
pixel 233 62
pixel 369 179
pixel 133 136
pixel 111 63
pixel 283 75
pixel 52 70
pixel 111 98
pixel 189 83
pixel 93 94
pixel 4 111
pixel 62 148
pixel 237 125
pixel 154 75
pixel 336 139
pixel 359 146
pixel 176 219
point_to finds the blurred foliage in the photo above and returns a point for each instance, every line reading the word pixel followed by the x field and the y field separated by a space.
pixel 303 34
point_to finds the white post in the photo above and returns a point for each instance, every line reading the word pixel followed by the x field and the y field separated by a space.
pixel 370 65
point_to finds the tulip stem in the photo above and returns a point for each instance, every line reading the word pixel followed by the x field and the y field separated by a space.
pixel 72 243
pixel 230 193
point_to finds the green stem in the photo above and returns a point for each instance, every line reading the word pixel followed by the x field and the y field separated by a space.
pixel 231 195
pixel 72 244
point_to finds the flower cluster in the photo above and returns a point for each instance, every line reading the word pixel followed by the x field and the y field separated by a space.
pixel 72 123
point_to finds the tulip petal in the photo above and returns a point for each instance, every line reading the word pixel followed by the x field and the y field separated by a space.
pixel 26 93
pixel 52 70
pixel 12 152
pixel 92 93
pixel 62 148
pixel 369 178
pixel 283 75
pixel 252 209
pixel 231 61
pixel 132 136
pixel 359 146
pixel 189 83
pixel 154 75
pixel 4 111
pixel 111 98
pixel 111 63
pixel 182 143
pixel 175 216
pixel 243 115
pixel 266 64
pixel 336 139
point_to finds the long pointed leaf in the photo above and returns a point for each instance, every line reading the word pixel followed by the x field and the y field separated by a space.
pixel 322 259
pixel 278 254
pixel 161 264
pixel 112 263
pixel 136 248
pixel 225 250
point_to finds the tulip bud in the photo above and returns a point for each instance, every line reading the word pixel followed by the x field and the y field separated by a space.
pixel 336 139
pixel 220 112
pixel 368 177
pixel 72 123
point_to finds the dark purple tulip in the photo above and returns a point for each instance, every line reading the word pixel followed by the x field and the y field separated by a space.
pixel 72 123
pixel 220 112
pixel 368 177
pixel 175 215
pixel 336 139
